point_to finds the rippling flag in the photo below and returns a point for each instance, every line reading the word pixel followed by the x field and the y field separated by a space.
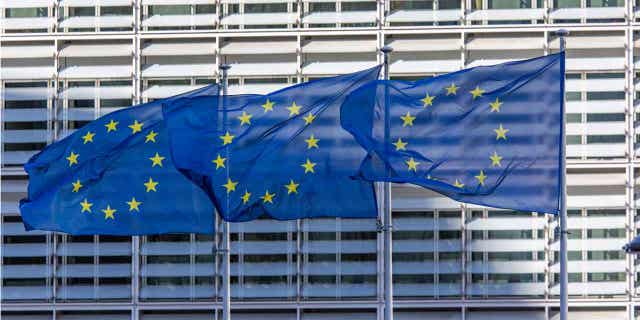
pixel 487 135
pixel 115 176
pixel 282 155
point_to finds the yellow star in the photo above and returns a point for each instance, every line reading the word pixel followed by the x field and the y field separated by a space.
pixel 245 197
pixel 108 213
pixel 481 177
pixel 156 160
pixel 458 184
pixel 73 158
pixel 112 126
pixel 312 142
pixel 400 145
pixel 412 164
pixel 136 126
pixel 294 109
pixel 501 133
pixel 428 100
pixel 495 160
pixel 267 106
pixel 477 92
pixel 245 118
pixel 134 205
pixel 86 206
pixel 268 197
pixel 407 119
pixel 309 118
pixel 76 185
pixel 308 166
pixel 495 106
pixel 151 136
pixel 230 185
pixel 151 185
pixel 292 187
pixel 227 138
pixel 219 161
pixel 88 137
pixel 452 89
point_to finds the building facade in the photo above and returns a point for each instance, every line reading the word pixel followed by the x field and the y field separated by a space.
pixel 65 62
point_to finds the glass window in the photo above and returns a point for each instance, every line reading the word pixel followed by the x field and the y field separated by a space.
pixel 449 4
pixel 508 4
pixel 605 138
pixel 606 95
pixel 169 10
pixel 605 117
pixel 449 234
pixel 566 3
pixel 82 11
pixel 510 234
pixel 116 11
pixel 605 255
pixel 359 6
pixel 605 233
pixel 412 5
pixel 265 7
pixel 574 139
pixel 322 6
pixel 605 3
pixel 205 8
pixel 605 276
pixel 574 117
pixel 26 12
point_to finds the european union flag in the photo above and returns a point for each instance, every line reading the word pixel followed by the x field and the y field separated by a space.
pixel 114 176
pixel 282 155
pixel 486 135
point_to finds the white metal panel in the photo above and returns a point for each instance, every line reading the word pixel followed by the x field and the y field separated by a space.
pixel 97 92
pixel 179 49
pixel 24 136
pixel 256 88
pixel 588 13
pixel 259 47
pixel 24 94
pixel 506 43
pixel 523 223
pixel 93 72
pixel 340 46
pixel 179 70
pixel 263 69
pixel 486 62
pixel 517 267
pixel 29 51
pixel 94 3
pixel 591 42
pixel 27 3
pixel 156 92
pixel 426 315
pixel 404 16
pixel 595 85
pixel 425 44
pixel 340 17
pixel 592 314
pixel 594 64
pixel 102 22
pixel 27 23
pixel 97 50
pixel 507 246
pixel 596 201
pixel 260 18
pixel 180 20
pixel 505 315
pixel 506 14
pixel 26 73
pixel 600 106
pixel 425 66
pixel 338 67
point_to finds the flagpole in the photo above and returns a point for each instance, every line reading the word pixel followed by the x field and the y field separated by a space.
pixel 564 294
pixel 386 205
pixel 226 268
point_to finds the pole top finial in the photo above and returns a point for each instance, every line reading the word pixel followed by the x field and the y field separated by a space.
pixel 562 32
pixel 386 49
pixel 225 66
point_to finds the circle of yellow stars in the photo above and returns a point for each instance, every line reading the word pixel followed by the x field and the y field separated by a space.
pixel 150 185
pixel 501 133
pixel 245 118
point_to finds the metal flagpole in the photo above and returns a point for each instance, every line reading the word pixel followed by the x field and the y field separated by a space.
pixel 226 271
pixel 386 206
pixel 564 294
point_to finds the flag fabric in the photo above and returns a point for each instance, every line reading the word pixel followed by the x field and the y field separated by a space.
pixel 281 155
pixel 486 135
pixel 633 246
pixel 115 176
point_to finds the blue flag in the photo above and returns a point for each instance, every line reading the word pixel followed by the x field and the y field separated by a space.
pixel 487 135
pixel 282 155
pixel 115 176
